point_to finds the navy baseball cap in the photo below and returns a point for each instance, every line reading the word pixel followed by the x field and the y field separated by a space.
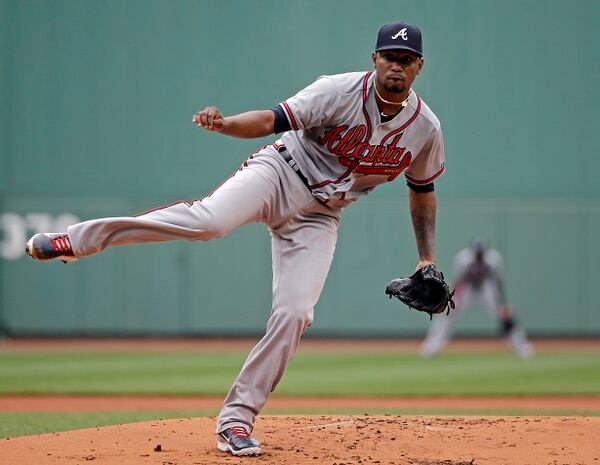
pixel 401 36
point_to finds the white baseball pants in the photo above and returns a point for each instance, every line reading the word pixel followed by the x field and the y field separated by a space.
pixel 303 236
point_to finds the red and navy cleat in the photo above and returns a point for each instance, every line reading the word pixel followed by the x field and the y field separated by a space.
pixel 237 441
pixel 50 246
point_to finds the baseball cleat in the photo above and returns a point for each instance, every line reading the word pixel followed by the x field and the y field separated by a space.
pixel 50 246
pixel 238 442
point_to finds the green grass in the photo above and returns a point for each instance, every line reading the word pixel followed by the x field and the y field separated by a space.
pixel 26 423
pixel 331 373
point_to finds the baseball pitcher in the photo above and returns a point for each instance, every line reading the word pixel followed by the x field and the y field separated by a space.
pixel 340 137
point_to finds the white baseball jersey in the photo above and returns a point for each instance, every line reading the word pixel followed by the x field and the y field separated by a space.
pixel 344 150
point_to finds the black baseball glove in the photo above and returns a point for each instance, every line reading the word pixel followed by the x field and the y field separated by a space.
pixel 425 290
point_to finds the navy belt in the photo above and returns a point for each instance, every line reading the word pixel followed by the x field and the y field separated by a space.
pixel 290 161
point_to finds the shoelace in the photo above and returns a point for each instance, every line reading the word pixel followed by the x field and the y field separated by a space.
pixel 240 432
pixel 61 244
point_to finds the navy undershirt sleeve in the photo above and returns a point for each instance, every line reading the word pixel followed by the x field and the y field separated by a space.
pixel 421 189
pixel 281 122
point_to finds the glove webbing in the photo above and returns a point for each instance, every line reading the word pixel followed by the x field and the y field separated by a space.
pixel 449 305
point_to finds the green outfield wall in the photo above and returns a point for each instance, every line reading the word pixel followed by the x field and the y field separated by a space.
pixel 96 100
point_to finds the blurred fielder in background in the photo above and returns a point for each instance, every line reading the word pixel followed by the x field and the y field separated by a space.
pixel 478 281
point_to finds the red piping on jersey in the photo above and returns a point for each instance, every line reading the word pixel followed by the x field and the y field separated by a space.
pixel 290 114
pixel 367 138
pixel 405 125
pixel 277 146
pixel 364 106
pixel 425 181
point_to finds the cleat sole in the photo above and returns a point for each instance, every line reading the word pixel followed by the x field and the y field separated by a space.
pixel 249 451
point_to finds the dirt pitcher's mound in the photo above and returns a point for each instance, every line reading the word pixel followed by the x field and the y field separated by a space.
pixel 326 440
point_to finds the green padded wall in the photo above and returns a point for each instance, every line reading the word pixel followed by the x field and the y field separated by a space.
pixel 96 100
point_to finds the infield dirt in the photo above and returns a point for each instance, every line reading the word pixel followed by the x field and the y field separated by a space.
pixel 326 440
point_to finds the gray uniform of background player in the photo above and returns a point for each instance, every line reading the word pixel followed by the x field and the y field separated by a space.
pixel 302 220
pixel 478 280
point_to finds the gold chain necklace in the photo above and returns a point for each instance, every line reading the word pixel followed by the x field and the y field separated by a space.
pixel 403 103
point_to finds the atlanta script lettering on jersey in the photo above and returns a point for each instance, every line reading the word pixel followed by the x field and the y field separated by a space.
pixel 353 151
